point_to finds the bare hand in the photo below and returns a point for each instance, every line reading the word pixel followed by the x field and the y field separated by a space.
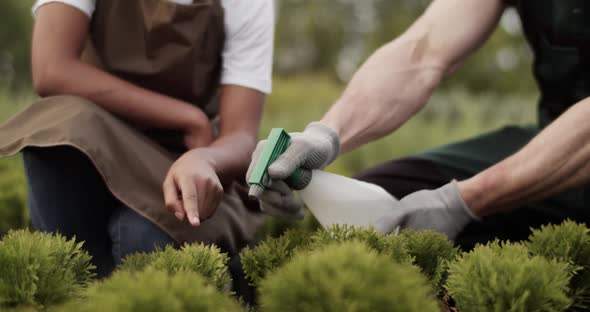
pixel 192 187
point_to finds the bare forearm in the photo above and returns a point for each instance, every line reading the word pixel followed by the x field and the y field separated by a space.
pixel 231 154
pixel 240 114
pixel 138 105
pixel 59 37
pixel 399 78
pixel 556 160
pixel 377 102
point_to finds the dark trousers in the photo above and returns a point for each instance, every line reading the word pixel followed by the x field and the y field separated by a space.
pixel 68 196
pixel 405 176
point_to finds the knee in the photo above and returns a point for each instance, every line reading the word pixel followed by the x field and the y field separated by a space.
pixel 132 233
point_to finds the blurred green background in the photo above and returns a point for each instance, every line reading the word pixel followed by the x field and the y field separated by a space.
pixel 319 44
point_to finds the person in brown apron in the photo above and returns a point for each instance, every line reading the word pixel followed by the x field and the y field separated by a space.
pixel 149 113
pixel 497 185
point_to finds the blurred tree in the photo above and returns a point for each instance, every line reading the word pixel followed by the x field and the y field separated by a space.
pixel 15 33
pixel 336 36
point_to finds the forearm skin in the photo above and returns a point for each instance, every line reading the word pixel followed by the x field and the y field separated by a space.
pixel 368 109
pixel 399 78
pixel 556 160
pixel 59 37
pixel 240 115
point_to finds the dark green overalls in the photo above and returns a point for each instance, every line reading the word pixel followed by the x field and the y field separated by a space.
pixel 559 34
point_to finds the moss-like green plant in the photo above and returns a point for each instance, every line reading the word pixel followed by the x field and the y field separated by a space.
pixel 276 226
pixel 346 277
pixel 208 261
pixel 431 251
pixel 392 245
pixel 505 277
pixel 41 269
pixel 13 212
pixel 257 262
pixel 21 309
pixel 153 290
pixel 569 242
pixel 136 262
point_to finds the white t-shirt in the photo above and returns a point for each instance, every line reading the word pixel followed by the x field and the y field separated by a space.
pixel 248 50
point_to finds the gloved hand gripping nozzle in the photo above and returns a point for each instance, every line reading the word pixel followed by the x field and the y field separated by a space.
pixel 277 143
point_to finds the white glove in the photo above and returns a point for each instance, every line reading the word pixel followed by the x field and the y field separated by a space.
pixel 314 148
pixel 442 210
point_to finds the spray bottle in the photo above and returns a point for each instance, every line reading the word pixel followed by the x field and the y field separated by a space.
pixel 331 198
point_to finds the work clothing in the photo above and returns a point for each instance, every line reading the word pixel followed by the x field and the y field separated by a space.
pixel 175 50
pixel 68 196
pixel 248 48
pixel 558 31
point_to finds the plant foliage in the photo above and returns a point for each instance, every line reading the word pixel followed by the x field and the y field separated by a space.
pixel 41 269
pixel 505 277
pixel 257 262
pixel 391 245
pixel 568 242
pixel 346 277
pixel 431 252
pixel 153 290
pixel 208 261
pixel 13 212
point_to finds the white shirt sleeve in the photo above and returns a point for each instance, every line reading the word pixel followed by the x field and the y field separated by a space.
pixel 249 43
pixel 86 6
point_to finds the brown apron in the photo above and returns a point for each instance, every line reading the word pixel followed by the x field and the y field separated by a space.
pixel 165 47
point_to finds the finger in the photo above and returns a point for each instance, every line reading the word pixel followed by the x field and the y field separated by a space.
pixel 171 198
pixel 189 200
pixel 203 198
pixel 281 204
pixel 280 198
pixel 301 181
pixel 280 187
pixel 291 159
pixel 254 160
pixel 389 223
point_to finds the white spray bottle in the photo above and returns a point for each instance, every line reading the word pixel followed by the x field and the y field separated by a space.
pixel 331 198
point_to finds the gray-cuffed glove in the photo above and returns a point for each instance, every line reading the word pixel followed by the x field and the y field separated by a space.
pixel 314 148
pixel 442 210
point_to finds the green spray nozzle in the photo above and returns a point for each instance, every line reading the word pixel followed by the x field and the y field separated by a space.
pixel 277 143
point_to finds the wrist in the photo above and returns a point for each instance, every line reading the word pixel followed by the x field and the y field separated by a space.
pixel 195 120
pixel 479 192
pixel 332 124
pixel 204 155
pixel 321 130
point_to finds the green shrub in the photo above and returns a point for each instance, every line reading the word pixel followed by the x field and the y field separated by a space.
pixel 208 261
pixel 257 262
pixel 276 226
pixel 20 309
pixel 41 269
pixel 568 242
pixel 13 212
pixel 505 277
pixel 153 290
pixel 431 252
pixel 136 262
pixel 345 277
pixel 391 245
